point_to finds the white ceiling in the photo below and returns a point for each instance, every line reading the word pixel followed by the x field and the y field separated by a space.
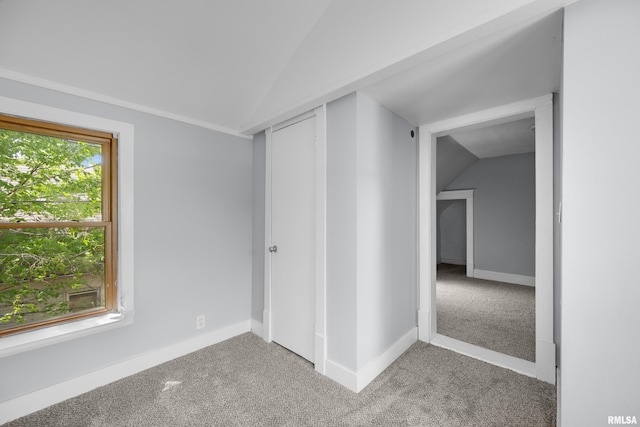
pixel 515 137
pixel 514 64
pixel 240 66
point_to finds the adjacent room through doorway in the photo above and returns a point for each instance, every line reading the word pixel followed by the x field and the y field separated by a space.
pixel 496 164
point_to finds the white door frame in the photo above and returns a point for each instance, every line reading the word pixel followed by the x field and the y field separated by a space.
pixel 320 340
pixel 466 195
pixel 544 367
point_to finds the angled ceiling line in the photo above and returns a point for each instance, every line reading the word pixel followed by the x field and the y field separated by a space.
pixel 464 35
pixel 267 90
pixel 95 96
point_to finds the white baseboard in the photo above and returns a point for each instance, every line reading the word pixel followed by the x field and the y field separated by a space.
pixel 266 333
pixel 256 327
pixel 515 364
pixel 424 325
pixel 356 381
pixel 343 376
pixel 320 354
pixel 546 361
pixel 375 367
pixel 40 399
pixel 505 277
pixel 558 398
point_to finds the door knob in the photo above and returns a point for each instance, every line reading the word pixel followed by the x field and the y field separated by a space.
pixel 273 249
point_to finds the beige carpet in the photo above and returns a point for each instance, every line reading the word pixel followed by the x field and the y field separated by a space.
pixel 247 382
pixel 494 315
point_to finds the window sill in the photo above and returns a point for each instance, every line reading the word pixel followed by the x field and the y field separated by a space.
pixel 31 340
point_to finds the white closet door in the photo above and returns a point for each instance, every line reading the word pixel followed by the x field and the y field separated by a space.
pixel 293 233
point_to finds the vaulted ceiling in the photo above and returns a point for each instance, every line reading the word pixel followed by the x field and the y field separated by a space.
pixel 242 65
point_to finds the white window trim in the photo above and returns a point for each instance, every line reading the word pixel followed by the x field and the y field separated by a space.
pixel 37 338
pixel 466 195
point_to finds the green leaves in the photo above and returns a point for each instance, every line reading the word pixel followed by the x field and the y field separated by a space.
pixel 48 179
pixel 44 178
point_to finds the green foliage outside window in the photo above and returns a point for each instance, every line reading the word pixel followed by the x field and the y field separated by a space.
pixel 46 180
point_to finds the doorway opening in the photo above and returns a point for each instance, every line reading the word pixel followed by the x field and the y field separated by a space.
pixel 457 246
pixel 543 366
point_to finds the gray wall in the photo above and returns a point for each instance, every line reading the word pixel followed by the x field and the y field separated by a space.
pixel 259 247
pixel 504 212
pixel 192 243
pixel 371 230
pixel 600 351
pixel 451 160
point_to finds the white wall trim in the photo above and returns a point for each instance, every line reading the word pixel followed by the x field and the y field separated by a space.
pixel 467 196
pixel 558 398
pixel 545 216
pixel 357 381
pixel 293 120
pixel 520 366
pixel 516 279
pixel 501 114
pixel 546 361
pixel 320 345
pixel 125 133
pixel 542 109
pixel 40 399
pixel 83 93
pixel 427 316
pixel 455 195
pixel 266 315
pixel 376 366
pixel 343 376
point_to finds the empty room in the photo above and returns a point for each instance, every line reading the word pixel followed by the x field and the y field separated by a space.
pixel 486 281
pixel 238 213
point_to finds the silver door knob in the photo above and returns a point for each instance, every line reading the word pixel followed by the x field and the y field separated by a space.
pixel 273 249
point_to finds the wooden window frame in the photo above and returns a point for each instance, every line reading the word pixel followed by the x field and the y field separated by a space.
pixel 109 220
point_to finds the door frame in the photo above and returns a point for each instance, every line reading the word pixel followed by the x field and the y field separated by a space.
pixel 466 195
pixel 544 368
pixel 320 339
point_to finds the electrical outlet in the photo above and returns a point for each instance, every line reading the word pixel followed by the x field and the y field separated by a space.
pixel 200 321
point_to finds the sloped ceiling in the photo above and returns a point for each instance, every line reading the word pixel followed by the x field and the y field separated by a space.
pixel 511 65
pixel 515 137
pixel 240 66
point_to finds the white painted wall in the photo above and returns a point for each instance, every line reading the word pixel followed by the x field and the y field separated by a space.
pixel 600 373
pixel 371 231
pixel 341 232
pixel 386 229
pixel 192 244
pixel 504 212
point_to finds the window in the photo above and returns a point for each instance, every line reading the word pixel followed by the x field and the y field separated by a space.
pixel 83 300
pixel 58 224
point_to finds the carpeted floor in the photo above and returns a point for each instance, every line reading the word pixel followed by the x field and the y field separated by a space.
pixel 247 382
pixel 494 315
